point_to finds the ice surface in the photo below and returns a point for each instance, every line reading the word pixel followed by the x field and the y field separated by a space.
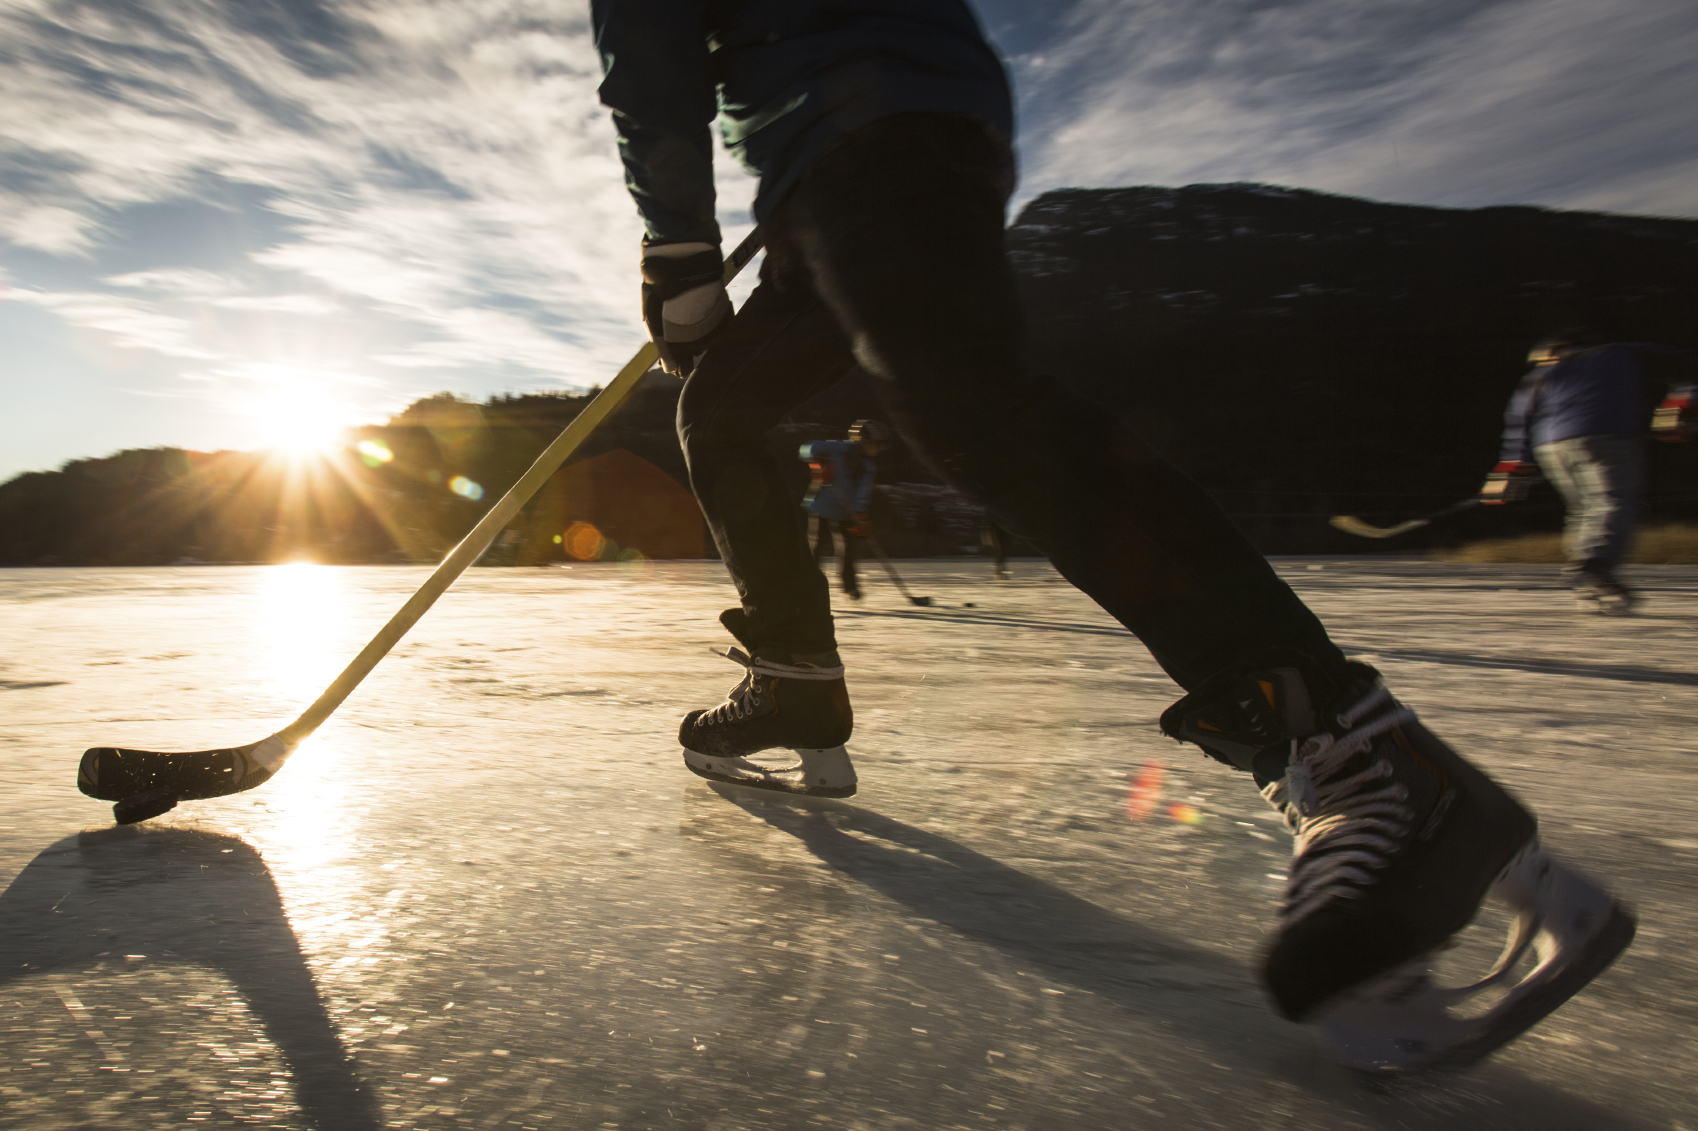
pixel 488 894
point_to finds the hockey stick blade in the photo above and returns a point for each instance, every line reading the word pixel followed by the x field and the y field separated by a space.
pixel 1350 524
pixel 146 783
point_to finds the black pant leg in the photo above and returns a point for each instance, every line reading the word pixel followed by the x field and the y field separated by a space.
pixel 782 348
pixel 846 568
pixel 822 540
pixel 900 228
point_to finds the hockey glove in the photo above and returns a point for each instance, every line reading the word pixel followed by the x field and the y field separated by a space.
pixel 1509 482
pixel 1676 419
pixel 684 303
pixel 861 524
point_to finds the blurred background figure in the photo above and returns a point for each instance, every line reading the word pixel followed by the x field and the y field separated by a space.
pixel 995 539
pixel 841 495
pixel 1580 416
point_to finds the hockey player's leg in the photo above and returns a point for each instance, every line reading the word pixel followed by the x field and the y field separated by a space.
pixel 846 573
pixel 781 349
pixel 1398 842
pixel 901 227
pixel 1609 473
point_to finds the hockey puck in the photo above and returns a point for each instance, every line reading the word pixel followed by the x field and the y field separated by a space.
pixel 144 806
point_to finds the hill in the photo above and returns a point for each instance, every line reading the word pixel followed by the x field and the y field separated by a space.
pixel 1299 354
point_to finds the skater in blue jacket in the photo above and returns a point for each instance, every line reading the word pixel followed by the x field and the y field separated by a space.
pixel 1581 416
pixel 841 494
pixel 882 132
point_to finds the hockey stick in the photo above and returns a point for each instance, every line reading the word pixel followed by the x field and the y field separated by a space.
pixel 891 570
pixel 1350 524
pixel 146 783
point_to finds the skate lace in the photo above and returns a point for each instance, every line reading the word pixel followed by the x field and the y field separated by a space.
pixel 747 695
pixel 1347 824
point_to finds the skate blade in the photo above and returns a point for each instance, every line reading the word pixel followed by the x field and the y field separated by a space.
pixel 816 773
pixel 1403 1023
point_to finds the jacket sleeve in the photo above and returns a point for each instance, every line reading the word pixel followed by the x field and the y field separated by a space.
pixel 1518 422
pixel 657 82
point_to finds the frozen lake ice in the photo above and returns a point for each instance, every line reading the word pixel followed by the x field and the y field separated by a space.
pixel 488 894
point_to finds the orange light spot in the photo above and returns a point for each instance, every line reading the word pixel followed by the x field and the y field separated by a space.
pixel 1146 790
pixel 585 542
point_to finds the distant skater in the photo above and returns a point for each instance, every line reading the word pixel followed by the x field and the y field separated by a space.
pixel 882 135
pixel 1581 416
pixel 840 497
pixel 995 539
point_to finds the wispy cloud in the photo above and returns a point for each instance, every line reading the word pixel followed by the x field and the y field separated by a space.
pixel 434 165
pixel 1560 102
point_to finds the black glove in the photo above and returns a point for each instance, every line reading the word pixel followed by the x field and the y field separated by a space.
pixel 1509 482
pixel 684 303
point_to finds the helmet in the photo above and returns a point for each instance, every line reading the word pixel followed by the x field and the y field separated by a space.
pixel 869 431
pixel 1559 345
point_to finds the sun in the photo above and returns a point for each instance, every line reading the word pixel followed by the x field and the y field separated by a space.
pixel 299 425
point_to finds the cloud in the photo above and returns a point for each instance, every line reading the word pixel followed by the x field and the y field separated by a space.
pixel 131 323
pixel 431 160
pixel 1464 102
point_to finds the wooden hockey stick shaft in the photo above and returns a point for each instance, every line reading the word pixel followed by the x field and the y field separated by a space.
pixel 472 546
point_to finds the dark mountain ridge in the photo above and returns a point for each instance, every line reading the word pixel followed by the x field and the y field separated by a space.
pixel 1299 354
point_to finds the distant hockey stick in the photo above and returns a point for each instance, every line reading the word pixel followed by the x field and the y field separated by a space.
pixel 146 783
pixel 1350 524
pixel 891 570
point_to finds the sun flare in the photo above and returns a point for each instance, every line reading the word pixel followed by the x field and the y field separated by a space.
pixel 299 427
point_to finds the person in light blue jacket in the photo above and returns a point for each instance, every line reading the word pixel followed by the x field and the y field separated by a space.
pixel 1581 416
pixel 841 494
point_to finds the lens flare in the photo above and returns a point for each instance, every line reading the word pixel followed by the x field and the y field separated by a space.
pixel 1146 790
pixel 1185 814
pixel 585 542
pixel 466 488
pixel 374 453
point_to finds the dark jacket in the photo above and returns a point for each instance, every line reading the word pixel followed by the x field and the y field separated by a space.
pixel 1607 391
pixel 786 79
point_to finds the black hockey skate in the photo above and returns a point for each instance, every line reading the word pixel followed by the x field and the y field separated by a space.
pixel 1604 595
pixel 785 701
pixel 1398 842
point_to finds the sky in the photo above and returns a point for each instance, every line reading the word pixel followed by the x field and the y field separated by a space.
pixel 229 223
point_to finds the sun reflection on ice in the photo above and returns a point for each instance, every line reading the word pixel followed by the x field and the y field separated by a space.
pixel 301 608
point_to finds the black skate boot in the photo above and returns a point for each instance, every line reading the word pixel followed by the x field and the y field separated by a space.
pixel 785 701
pixel 1398 842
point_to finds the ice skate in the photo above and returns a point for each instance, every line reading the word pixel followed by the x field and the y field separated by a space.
pixel 784 702
pixel 1605 597
pixel 1398 842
